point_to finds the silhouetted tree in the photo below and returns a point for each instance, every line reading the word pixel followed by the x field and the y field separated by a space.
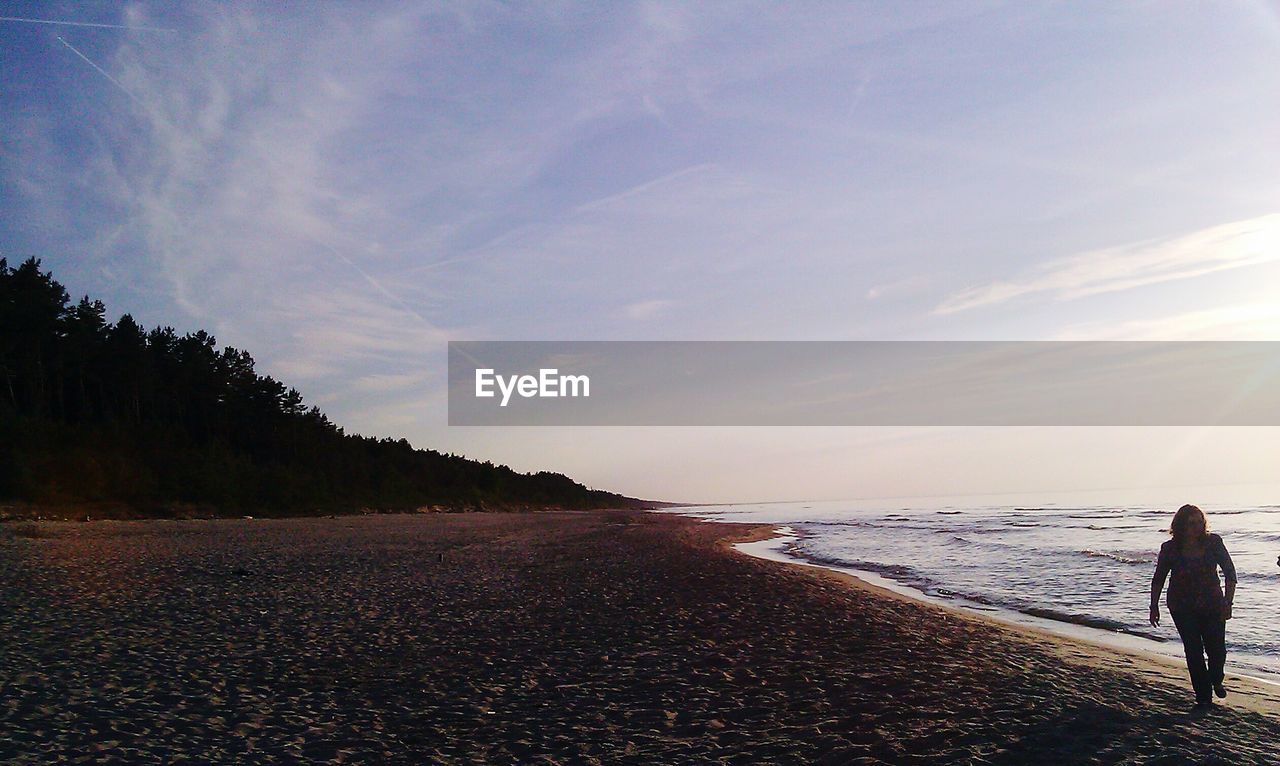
pixel 92 411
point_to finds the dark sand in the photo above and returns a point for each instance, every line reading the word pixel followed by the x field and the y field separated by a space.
pixel 558 638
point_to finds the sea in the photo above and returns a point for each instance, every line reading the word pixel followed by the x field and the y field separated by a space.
pixel 1078 568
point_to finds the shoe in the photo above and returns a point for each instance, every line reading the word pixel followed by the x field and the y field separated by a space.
pixel 1219 689
pixel 1203 705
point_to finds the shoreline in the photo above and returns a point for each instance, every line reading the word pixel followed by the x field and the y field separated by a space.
pixel 1246 691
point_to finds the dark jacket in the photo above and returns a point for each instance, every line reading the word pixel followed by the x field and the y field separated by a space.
pixel 1193 580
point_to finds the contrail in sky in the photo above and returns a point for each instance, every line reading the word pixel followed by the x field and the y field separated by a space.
pixel 378 285
pixel 84 24
pixel 390 295
pixel 101 71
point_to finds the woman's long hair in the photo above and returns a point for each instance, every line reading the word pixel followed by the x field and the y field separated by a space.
pixel 1182 518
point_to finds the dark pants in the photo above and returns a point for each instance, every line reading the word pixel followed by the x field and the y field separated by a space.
pixel 1203 633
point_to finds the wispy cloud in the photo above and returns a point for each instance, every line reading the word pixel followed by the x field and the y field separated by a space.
pixel 1249 321
pixel 237 181
pixel 70 23
pixel 645 309
pixel 906 285
pixel 1229 246
pixel 381 384
pixel 354 330
pixel 618 200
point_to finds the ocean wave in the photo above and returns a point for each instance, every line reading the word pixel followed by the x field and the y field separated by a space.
pixel 849 523
pixel 1124 557
pixel 1047 613
pixel 899 572
pixel 1257 576
pixel 975 537
pixel 1210 513
pixel 903 524
pixel 1250 647
pixel 1091 621
pixel 809 548
pixel 974 597
pixel 980 528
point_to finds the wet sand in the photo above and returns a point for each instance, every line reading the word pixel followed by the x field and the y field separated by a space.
pixel 540 638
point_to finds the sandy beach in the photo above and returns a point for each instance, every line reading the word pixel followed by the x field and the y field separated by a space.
pixel 597 637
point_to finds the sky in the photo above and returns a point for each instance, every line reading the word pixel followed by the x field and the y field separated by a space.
pixel 342 188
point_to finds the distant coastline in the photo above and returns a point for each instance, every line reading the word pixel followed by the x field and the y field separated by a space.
pixel 87 512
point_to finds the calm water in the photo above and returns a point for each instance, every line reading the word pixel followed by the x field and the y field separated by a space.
pixel 1078 565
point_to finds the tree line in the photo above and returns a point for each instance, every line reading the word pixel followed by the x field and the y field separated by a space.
pixel 94 412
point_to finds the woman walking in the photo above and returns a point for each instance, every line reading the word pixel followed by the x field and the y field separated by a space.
pixel 1196 600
